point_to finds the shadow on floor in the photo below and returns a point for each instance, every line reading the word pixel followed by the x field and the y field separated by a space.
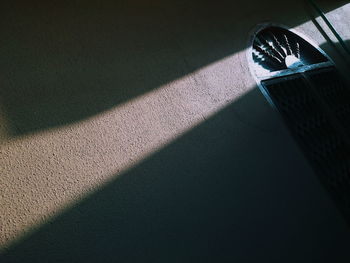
pixel 64 61
pixel 234 189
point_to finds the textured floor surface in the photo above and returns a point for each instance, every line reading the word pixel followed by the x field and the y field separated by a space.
pixel 132 131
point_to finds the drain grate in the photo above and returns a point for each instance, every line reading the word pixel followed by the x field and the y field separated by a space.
pixel 335 93
pixel 303 85
pixel 276 49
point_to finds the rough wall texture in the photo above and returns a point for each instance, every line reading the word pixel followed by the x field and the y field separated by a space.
pixel 132 131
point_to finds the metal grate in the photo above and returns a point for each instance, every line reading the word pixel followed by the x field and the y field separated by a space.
pixel 277 49
pixel 312 105
pixel 335 92
pixel 303 85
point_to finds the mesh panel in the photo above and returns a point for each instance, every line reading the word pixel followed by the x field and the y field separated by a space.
pixel 334 92
pixel 316 106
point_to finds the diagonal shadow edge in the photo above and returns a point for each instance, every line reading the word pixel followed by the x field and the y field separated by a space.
pixel 65 62
pixel 222 191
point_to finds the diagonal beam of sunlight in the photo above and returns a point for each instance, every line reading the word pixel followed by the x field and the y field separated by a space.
pixel 47 172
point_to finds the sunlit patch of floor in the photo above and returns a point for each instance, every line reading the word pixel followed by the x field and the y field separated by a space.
pixel 47 172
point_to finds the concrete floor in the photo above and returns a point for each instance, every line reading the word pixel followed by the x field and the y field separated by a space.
pixel 132 131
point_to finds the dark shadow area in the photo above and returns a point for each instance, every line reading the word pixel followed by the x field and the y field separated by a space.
pixel 233 189
pixel 63 61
